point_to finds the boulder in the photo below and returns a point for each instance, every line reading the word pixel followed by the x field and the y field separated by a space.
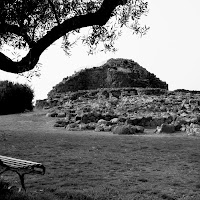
pixel 68 117
pixel 139 129
pixel 113 101
pixel 183 128
pixel 163 108
pixel 78 117
pixel 61 123
pixel 58 125
pixel 102 121
pixel 52 114
pixel 116 93
pixel 166 128
pixel 86 109
pixel 108 116
pixel 61 114
pixel 124 130
pixel 87 118
pixel 99 129
pixel 122 119
pixel 184 114
pixel 53 102
pixel 107 128
pixel 114 120
pixel 91 126
pixel 105 93
pixel 177 125
pixel 72 127
pixel 83 126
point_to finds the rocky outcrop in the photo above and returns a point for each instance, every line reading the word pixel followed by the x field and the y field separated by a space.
pixel 115 73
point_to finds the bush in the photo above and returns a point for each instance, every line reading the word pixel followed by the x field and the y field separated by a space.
pixel 15 98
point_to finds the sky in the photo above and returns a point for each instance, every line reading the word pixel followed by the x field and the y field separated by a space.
pixel 170 50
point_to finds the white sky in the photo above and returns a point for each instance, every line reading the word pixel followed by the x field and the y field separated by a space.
pixel 170 50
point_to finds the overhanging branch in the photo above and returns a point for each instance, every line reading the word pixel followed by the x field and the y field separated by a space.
pixel 7 28
pixel 30 60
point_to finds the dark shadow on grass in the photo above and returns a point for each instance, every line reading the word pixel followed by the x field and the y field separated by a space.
pixel 12 193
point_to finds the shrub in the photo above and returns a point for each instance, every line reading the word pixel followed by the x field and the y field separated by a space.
pixel 15 98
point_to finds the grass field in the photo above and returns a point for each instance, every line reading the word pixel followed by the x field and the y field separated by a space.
pixel 102 165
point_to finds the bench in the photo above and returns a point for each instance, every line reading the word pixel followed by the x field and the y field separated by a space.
pixel 21 167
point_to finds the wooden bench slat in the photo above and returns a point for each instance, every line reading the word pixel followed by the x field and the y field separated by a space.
pixel 15 161
pixel 20 163
pixel 16 165
pixel 18 160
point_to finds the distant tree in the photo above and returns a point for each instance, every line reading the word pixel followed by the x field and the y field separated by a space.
pixel 15 98
pixel 34 25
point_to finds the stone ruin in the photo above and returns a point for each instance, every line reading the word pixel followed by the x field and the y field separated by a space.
pixel 123 97
pixel 105 109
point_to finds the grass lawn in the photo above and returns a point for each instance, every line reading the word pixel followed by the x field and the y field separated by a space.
pixel 102 165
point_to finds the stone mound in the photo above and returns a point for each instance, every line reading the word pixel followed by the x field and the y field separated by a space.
pixel 115 73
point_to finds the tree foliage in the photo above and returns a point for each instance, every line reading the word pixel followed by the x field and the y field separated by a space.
pixel 15 98
pixel 34 25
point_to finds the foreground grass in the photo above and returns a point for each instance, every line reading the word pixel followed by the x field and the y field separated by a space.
pixel 7 193
pixel 91 166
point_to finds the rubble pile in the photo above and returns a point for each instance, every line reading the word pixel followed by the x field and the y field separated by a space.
pixel 130 109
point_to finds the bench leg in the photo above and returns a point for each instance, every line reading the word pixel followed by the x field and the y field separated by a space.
pixel 21 176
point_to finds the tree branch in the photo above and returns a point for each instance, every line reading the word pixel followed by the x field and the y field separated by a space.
pixel 30 60
pixel 7 28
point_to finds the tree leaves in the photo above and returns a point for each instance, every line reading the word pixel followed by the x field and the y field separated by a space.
pixel 35 25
